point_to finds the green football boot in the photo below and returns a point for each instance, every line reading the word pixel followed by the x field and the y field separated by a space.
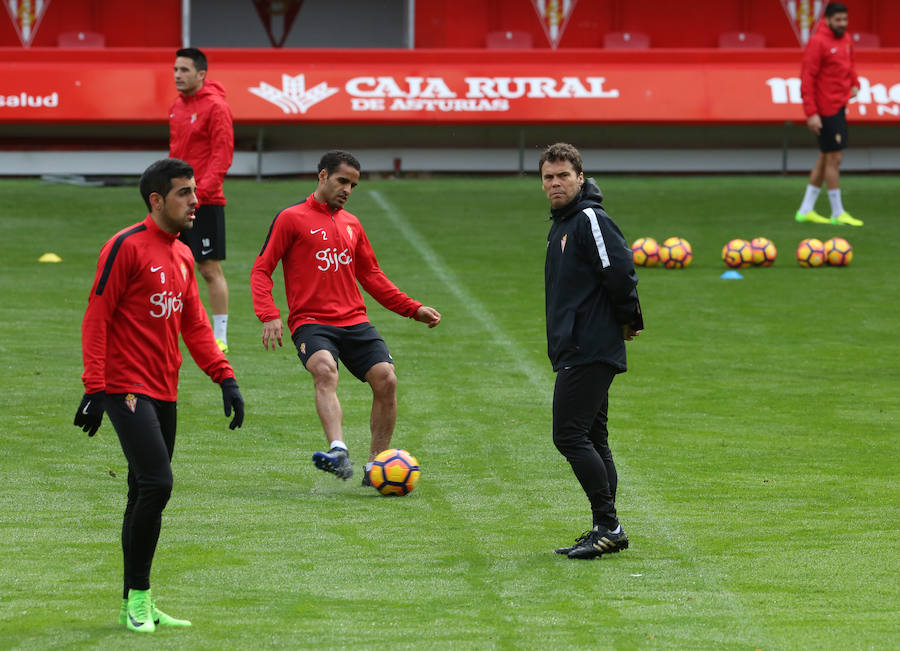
pixel 844 219
pixel 161 619
pixel 811 216
pixel 139 615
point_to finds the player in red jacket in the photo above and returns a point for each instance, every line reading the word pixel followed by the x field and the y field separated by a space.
pixel 201 133
pixel 827 82
pixel 324 252
pixel 144 295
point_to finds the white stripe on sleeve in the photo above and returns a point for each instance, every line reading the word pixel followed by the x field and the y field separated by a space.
pixel 598 236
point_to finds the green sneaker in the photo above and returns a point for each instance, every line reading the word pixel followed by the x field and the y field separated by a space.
pixel 140 617
pixel 161 619
pixel 845 219
pixel 222 346
pixel 811 216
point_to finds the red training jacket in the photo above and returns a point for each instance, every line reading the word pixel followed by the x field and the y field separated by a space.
pixel 322 256
pixel 201 133
pixel 827 72
pixel 144 295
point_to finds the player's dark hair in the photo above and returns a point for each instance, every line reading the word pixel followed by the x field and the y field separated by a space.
pixel 158 177
pixel 561 151
pixel 331 160
pixel 833 8
pixel 194 55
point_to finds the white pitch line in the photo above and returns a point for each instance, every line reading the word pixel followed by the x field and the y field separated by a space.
pixel 475 307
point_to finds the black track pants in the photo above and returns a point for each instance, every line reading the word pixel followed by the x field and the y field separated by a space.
pixel 147 436
pixel 580 401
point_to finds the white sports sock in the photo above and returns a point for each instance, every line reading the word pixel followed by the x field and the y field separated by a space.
pixel 837 206
pixel 220 327
pixel 338 444
pixel 618 529
pixel 809 199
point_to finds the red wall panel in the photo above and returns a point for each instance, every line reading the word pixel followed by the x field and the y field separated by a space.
pixel 464 23
pixel 885 22
pixel 769 19
pixel 136 23
pixel 675 24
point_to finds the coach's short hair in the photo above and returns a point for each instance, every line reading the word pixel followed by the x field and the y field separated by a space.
pixel 194 55
pixel 331 160
pixel 158 177
pixel 561 151
pixel 833 8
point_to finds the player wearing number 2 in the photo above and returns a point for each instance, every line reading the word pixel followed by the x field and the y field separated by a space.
pixel 324 252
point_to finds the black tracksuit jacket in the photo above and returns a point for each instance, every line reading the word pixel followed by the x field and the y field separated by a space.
pixel 590 284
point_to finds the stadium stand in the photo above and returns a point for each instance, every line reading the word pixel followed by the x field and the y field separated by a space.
pixel 866 41
pixel 741 39
pixel 626 41
pixel 81 39
pixel 509 40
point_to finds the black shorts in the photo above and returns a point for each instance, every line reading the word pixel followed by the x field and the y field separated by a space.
pixel 833 136
pixel 207 237
pixel 359 346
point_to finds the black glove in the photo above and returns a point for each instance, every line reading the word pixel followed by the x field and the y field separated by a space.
pixel 90 412
pixel 232 397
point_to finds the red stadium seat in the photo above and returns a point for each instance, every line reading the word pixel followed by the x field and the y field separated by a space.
pixel 509 40
pixel 626 40
pixel 81 39
pixel 863 40
pixel 741 40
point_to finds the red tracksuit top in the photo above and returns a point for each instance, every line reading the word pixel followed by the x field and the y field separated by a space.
pixel 201 133
pixel 322 256
pixel 144 295
pixel 827 72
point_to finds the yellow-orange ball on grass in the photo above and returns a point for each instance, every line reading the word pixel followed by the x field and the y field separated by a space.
pixel 762 252
pixel 675 253
pixel 645 252
pixel 737 254
pixel 811 252
pixel 394 472
pixel 838 252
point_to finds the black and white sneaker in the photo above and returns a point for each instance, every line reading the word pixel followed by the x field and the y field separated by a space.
pixel 598 542
pixel 580 539
pixel 336 461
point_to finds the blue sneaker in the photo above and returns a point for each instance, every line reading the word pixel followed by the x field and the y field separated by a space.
pixel 336 461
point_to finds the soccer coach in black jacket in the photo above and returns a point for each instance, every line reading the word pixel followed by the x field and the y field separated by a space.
pixel 592 310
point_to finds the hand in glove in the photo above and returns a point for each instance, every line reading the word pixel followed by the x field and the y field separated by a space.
pixel 90 412
pixel 232 398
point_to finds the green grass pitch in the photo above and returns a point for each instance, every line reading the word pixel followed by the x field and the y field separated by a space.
pixel 756 436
